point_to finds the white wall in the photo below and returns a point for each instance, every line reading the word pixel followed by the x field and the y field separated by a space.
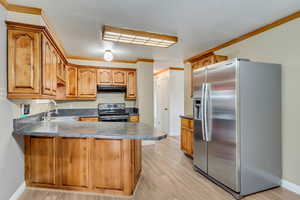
pixel 11 155
pixel 175 99
pixel 145 98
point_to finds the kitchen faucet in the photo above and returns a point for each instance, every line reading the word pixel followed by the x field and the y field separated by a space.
pixel 48 114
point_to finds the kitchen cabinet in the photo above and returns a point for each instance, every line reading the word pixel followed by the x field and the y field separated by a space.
pixel 71 81
pixel 202 62
pixel 134 118
pixel 87 86
pixel 104 77
pixel 108 166
pixel 131 85
pixel 40 166
pixel 187 136
pixel 23 73
pixel 61 73
pixel 89 119
pixel 74 161
pixel 49 68
pixel 119 77
pixel 32 62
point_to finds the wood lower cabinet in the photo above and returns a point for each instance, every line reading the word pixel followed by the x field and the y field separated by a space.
pixel 74 162
pixel 40 157
pixel 87 86
pixel 134 118
pixel 107 166
pixel 187 136
pixel 24 73
pixel 71 81
pixel 108 161
pixel 89 119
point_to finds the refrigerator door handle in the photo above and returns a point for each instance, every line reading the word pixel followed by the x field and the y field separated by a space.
pixel 205 106
pixel 202 111
pixel 208 113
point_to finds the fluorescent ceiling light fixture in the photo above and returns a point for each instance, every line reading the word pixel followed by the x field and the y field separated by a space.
pixel 136 37
pixel 108 56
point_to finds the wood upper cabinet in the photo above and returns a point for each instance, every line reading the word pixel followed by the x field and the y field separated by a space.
pixel 87 86
pixel 71 81
pixel 131 85
pixel 61 70
pixel 208 60
pixel 119 77
pixel 50 60
pixel 104 77
pixel 24 62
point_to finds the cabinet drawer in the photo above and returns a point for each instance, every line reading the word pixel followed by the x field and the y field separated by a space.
pixel 187 123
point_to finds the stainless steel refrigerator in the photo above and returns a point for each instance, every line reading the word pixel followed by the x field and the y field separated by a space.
pixel 237 125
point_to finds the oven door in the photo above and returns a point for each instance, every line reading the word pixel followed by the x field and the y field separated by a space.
pixel 113 118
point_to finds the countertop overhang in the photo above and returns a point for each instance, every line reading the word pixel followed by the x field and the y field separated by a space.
pixel 105 130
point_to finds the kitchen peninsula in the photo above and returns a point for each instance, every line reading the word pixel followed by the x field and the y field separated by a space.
pixel 103 157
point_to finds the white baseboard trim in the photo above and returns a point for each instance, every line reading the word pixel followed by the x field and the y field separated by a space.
pixel 18 192
pixel 290 186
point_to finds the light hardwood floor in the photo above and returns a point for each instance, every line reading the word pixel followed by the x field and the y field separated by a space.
pixel 167 175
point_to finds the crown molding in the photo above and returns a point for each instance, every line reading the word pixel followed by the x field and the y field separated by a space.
pixel 247 35
pixel 21 9
pixel 114 61
pixel 168 69
pixel 145 60
pixel 100 59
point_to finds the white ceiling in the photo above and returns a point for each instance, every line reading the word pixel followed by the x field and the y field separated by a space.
pixel 199 24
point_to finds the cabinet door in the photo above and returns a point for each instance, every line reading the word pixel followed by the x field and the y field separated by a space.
pixel 71 81
pixel 61 70
pixel 119 77
pixel 47 67
pixel 40 160
pixel 131 85
pixel 107 164
pixel 24 62
pixel 87 86
pixel 104 77
pixel 137 159
pixel 54 71
pixel 75 161
pixel 187 141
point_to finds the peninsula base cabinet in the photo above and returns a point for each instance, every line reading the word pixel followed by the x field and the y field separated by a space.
pixel 108 166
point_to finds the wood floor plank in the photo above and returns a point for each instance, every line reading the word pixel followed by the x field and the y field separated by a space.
pixel 167 174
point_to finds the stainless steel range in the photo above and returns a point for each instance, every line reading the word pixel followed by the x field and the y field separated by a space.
pixel 113 112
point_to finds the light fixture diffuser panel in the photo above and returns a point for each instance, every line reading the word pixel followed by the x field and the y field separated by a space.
pixel 114 34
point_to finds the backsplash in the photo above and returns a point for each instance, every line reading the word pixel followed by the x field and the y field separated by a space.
pixel 109 97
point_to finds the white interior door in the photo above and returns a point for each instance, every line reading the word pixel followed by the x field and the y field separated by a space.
pixel 163 105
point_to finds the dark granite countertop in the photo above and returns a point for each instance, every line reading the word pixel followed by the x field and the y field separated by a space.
pixel 187 117
pixel 108 130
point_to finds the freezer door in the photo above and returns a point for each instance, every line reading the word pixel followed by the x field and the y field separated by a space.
pixel 200 147
pixel 199 77
pixel 222 147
